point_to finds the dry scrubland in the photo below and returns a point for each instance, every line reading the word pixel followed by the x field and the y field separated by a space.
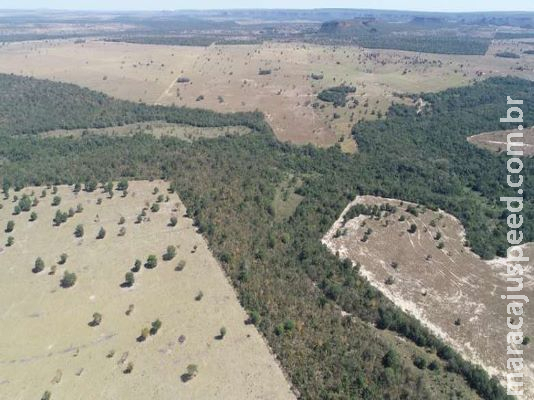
pixel 450 289
pixel 226 78
pixel 47 342
pixel 497 142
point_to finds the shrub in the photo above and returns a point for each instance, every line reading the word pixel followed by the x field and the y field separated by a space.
pixel 192 371
pixel 151 262
pixel 79 231
pixel 122 231
pixel 60 218
pixel 46 395
pixel 129 368
pixel 419 362
pixel 526 340
pixel 68 280
pixel 38 266
pixel 10 241
pixel 10 226
pixel 441 245
pixel 222 332
pixel 412 228
pixel 391 360
pixel 254 317
pixel 155 207
pixel 173 221
pixel 97 319
pixel 101 233
pixel 122 220
pixel 62 259
pixel 180 266
pixel 137 266
pixel 145 332
pixel 129 279
pixel 156 326
pixel 170 253
pixel 79 208
pixel 33 216
pixel 199 295
pixel 25 203
pixel 56 201
pixel 122 185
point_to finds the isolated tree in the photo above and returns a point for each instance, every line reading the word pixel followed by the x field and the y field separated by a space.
pixel 129 368
pixel 137 266
pixel 129 279
pixel 97 319
pixel 10 226
pixel 60 217
pixel 68 280
pixel 25 203
pixel 145 332
pixel 101 233
pixel 413 228
pixel 222 332
pixel 10 241
pixel 63 259
pixel 122 185
pixel 155 207
pixel 191 371
pixel 173 221
pixel 33 216
pixel 56 201
pixel 46 395
pixel 170 253
pixel 79 231
pixel 38 266
pixel 151 262
pixel 156 326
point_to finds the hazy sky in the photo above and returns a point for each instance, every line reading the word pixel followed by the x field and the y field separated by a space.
pixel 424 5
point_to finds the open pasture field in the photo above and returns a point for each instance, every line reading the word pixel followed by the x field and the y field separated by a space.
pixel 431 274
pixel 50 341
pixel 227 78
pixel 497 142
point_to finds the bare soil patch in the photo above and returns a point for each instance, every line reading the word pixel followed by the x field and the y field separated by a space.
pixel 496 141
pixel 446 286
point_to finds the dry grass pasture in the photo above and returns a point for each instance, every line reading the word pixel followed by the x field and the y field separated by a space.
pixel 226 78
pixel 447 287
pixel 47 342
pixel 496 141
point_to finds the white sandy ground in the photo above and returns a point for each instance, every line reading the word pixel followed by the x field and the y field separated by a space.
pixel 45 332
pixel 456 281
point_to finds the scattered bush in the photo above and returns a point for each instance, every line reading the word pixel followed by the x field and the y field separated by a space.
pixel 79 231
pixel 101 233
pixel 56 201
pixel 170 253
pixel 38 266
pixel 97 319
pixel 151 262
pixel 10 226
pixel 129 279
pixel 68 280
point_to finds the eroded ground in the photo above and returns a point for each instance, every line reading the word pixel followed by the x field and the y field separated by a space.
pixel 48 344
pixel 446 286
pixel 497 141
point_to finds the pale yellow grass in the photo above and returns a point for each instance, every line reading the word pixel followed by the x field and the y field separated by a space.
pixel 45 332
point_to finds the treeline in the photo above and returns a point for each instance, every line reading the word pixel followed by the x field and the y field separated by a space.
pixel 293 285
pixel 30 106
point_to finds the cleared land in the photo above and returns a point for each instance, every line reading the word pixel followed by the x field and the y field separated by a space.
pixel 446 286
pixel 226 78
pixel 496 141
pixel 48 344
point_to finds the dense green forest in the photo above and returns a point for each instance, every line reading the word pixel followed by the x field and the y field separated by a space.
pixel 435 37
pixel 282 273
